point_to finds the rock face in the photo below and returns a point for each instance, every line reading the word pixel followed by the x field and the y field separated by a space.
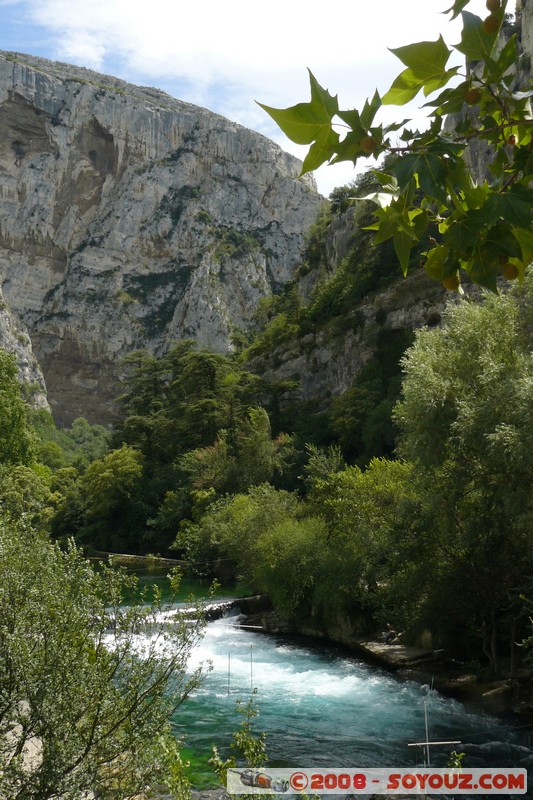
pixel 325 363
pixel 129 219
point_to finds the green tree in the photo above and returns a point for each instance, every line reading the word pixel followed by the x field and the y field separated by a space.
pixel 364 515
pixel 16 439
pixel 111 481
pixel 25 491
pixel 224 540
pixel 78 445
pixel 466 418
pixel 287 561
pixel 425 186
pixel 246 456
pixel 86 686
pixel 102 506
pixel 183 413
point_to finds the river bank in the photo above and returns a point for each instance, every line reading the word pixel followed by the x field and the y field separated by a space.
pixel 512 694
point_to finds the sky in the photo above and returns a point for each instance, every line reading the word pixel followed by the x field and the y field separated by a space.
pixel 226 54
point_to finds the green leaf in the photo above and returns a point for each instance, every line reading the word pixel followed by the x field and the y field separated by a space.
pixel 484 268
pixel 430 169
pixel 305 123
pixel 476 196
pixel 427 60
pixel 381 199
pixel 464 233
pixel 475 44
pixel 525 239
pixel 450 101
pixel 426 69
pixel 501 239
pixel 405 87
pixel 514 206
pixel 386 181
pixel 353 119
pixel 321 150
pixel 419 221
pixel 403 245
pixel 457 8
pixel 370 110
pixel 349 149
pixel 386 227
pixel 395 126
pixel 435 264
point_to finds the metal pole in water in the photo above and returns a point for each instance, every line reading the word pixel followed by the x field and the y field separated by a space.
pixel 229 671
pixel 251 668
pixel 427 731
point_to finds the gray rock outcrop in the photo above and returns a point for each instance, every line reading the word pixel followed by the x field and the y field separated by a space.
pixel 129 220
pixel 325 363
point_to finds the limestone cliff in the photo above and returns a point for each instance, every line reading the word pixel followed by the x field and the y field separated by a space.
pixel 130 219
pixel 325 362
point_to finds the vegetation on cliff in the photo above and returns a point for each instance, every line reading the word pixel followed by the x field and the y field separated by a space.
pixel 447 526
pixel 443 522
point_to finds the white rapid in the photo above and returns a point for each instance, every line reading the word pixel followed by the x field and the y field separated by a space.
pixel 321 707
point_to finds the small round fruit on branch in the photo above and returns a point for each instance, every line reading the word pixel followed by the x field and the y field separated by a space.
pixel 512 140
pixel 368 144
pixel 491 24
pixel 493 5
pixel 510 271
pixel 472 95
pixel 452 282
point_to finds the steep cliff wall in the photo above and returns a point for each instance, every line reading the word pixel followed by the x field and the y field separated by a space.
pixel 325 362
pixel 130 219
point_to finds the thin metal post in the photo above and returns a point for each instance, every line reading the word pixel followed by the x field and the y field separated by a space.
pixel 229 672
pixel 427 731
pixel 252 668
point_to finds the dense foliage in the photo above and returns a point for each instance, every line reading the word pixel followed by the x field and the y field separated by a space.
pixel 439 540
pixel 336 532
pixel 482 228
pixel 80 710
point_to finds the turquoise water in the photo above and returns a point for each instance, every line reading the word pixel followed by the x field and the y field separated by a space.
pixel 322 708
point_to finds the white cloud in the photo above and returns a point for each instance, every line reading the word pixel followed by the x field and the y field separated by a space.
pixel 224 55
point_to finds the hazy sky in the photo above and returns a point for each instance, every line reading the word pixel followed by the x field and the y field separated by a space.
pixel 225 55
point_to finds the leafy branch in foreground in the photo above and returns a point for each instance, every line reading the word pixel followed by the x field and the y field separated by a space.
pixel 426 188
pixel 246 742
pixel 87 685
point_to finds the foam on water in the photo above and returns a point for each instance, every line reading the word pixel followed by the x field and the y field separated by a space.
pixel 320 707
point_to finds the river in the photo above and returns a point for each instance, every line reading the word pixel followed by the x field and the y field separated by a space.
pixel 322 707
